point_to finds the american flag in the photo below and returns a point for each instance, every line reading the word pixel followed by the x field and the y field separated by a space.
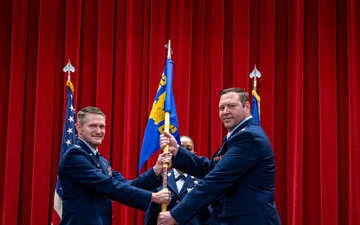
pixel 68 139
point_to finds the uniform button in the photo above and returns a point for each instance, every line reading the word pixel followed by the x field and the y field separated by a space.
pixel 177 201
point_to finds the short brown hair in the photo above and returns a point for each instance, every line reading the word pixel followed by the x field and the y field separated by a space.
pixel 88 110
pixel 243 95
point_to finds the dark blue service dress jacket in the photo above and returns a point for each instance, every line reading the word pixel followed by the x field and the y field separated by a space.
pixel 238 181
pixel 89 185
pixel 154 209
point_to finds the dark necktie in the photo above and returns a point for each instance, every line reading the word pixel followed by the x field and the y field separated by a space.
pixel 97 155
pixel 180 177
pixel 222 144
pixel 224 139
pixel 100 165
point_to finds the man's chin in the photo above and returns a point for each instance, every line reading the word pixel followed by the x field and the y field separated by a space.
pixel 227 125
pixel 98 141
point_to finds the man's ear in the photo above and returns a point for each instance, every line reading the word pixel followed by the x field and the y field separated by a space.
pixel 78 127
pixel 247 105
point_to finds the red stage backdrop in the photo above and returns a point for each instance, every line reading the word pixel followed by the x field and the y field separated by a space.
pixel 307 51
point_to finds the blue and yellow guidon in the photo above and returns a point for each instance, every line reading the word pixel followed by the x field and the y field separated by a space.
pixel 156 122
pixel 157 113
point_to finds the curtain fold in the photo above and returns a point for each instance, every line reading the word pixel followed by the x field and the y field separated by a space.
pixel 307 52
pixel 352 206
pixel 328 112
pixel 13 117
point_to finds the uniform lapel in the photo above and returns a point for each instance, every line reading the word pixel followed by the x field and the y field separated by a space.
pixel 241 127
pixel 189 182
pixel 171 181
pixel 218 155
pixel 102 164
pixel 95 160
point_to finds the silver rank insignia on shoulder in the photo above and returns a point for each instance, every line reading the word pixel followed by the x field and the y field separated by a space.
pixel 109 171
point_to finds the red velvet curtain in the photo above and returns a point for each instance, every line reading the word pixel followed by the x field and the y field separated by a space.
pixel 306 50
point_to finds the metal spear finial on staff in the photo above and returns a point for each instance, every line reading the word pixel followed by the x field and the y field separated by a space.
pixel 168 47
pixel 69 68
pixel 255 109
pixel 255 74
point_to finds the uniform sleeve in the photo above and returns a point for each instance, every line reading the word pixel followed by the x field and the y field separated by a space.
pixel 77 165
pixel 190 163
pixel 239 158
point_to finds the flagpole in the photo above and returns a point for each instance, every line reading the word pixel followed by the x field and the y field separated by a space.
pixel 166 148
pixel 67 139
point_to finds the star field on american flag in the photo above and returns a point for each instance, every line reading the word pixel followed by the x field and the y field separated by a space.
pixel 69 125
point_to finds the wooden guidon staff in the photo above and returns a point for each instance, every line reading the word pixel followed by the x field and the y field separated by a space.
pixel 166 129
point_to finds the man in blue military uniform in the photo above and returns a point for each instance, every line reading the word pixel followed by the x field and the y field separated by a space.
pixel 239 180
pixel 89 183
